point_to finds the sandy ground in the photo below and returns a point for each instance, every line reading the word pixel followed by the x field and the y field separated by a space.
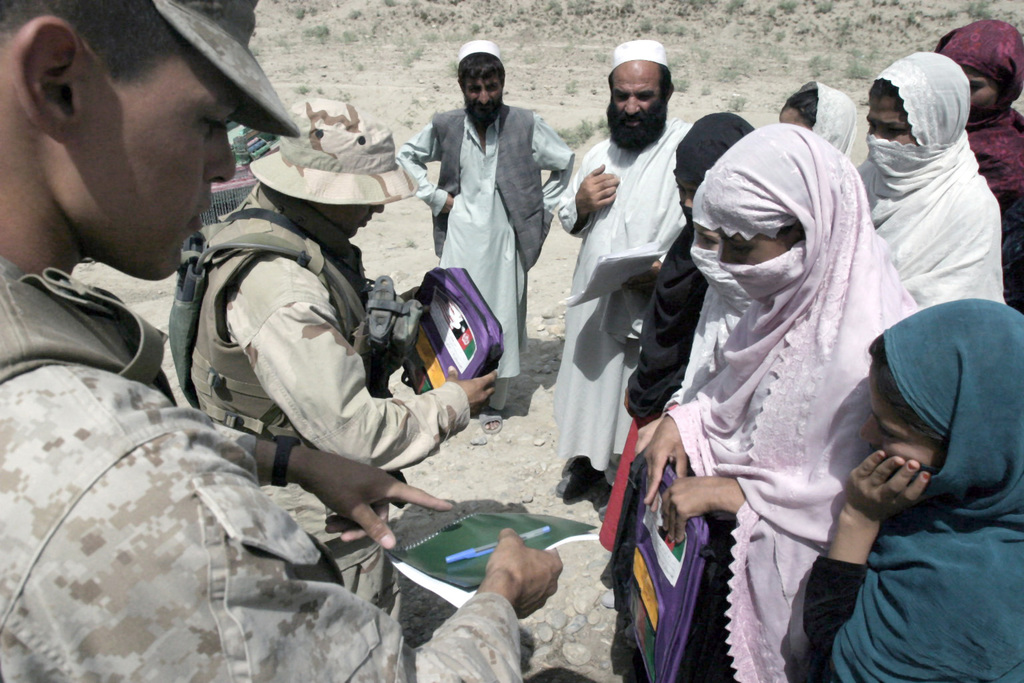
pixel 396 58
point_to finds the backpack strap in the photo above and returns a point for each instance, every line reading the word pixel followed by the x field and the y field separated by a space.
pixel 359 283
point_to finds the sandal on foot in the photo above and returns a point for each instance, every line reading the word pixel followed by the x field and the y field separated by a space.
pixel 491 423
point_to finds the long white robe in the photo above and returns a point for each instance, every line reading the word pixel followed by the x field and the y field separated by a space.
pixel 602 335
pixel 480 237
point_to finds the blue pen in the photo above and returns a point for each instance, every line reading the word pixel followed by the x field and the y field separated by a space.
pixel 489 548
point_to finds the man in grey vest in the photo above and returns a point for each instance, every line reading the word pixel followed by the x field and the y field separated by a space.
pixel 491 210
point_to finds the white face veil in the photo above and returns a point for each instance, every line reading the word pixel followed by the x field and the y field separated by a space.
pixel 928 200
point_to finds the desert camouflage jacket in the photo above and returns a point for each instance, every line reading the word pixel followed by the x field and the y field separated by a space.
pixel 302 350
pixel 138 546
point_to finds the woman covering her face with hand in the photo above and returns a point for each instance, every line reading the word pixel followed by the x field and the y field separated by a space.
pixel 933 523
pixel 773 436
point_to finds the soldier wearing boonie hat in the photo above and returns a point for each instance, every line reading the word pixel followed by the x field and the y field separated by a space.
pixel 137 545
pixel 257 367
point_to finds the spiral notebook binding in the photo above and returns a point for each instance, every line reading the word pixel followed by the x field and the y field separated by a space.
pixel 447 527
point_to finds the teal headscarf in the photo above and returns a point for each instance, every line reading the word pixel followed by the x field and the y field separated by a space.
pixel 944 595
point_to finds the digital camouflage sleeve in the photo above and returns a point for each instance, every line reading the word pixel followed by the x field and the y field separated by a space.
pixel 138 546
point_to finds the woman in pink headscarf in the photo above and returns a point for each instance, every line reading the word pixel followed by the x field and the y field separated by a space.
pixel 773 437
pixel 991 53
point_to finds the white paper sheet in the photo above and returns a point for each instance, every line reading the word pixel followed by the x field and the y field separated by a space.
pixel 453 594
pixel 612 270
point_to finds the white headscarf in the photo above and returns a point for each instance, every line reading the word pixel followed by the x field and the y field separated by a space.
pixel 928 200
pixel 783 417
pixel 837 118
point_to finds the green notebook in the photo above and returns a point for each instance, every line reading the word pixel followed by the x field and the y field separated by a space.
pixel 428 555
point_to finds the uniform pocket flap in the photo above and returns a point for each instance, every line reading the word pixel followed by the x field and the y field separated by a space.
pixel 251 518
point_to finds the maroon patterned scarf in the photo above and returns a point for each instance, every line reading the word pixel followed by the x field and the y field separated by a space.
pixel 995 49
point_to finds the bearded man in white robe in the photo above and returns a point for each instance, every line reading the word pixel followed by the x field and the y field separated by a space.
pixel 622 196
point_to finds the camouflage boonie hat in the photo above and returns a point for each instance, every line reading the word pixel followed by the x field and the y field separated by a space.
pixel 220 31
pixel 342 156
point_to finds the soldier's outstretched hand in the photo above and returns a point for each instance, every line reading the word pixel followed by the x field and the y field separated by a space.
pixel 356 492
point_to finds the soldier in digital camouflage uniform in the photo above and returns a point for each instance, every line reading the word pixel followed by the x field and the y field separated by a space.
pixel 282 346
pixel 137 544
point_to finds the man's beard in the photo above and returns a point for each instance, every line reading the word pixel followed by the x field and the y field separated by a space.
pixel 484 114
pixel 652 125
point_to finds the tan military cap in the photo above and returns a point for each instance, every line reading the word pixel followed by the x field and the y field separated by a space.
pixel 342 156
pixel 220 31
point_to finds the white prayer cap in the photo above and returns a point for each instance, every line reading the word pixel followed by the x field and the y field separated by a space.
pixel 645 50
pixel 475 46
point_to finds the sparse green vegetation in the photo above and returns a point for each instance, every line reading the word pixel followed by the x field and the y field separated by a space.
pixel 732 71
pixel 302 89
pixel 355 14
pixel 413 55
pixel 410 244
pixel 823 7
pixel 578 8
pixel 737 102
pixel 349 36
pixel 390 3
pixel 979 10
pixel 646 25
pixel 734 6
pixel 705 90
pixel 819 65
pixel 576 137
pixel 788 6
pixel 857 67
pixel 300 13
pixel 320 33
pixel 555 7
pixel 682 85
pixel 571 88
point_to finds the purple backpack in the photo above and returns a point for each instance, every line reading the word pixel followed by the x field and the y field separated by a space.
pixel 458 330
pixel 664 588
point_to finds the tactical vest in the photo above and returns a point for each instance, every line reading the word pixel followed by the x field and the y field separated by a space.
pixel 518 177
pixel 226 385
pixel 51 319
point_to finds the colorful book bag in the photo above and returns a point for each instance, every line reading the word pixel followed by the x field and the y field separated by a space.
pixel 458 330
pixel 664 586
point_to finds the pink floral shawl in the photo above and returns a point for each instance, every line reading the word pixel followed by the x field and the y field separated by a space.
pixel 783 416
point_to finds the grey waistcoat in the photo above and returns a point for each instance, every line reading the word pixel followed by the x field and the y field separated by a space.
pixel 518 177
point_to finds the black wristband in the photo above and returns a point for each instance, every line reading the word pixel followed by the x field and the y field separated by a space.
pixel 285 444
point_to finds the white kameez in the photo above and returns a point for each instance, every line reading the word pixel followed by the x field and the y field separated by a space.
pixel 602 335
pixel 480 237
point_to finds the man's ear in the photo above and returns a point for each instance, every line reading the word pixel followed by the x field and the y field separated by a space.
pixel 668 96
pixel 50 60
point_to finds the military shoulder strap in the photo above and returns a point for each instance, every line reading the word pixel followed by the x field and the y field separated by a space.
pixel 81 330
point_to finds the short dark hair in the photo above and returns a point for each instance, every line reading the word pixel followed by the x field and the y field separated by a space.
pixel 664 83
pixel 481 65
pixel 129 36
pixel 884 88
pixel 885 384
pixel 805 103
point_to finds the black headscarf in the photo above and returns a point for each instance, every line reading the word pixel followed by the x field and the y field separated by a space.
pixel 674 310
